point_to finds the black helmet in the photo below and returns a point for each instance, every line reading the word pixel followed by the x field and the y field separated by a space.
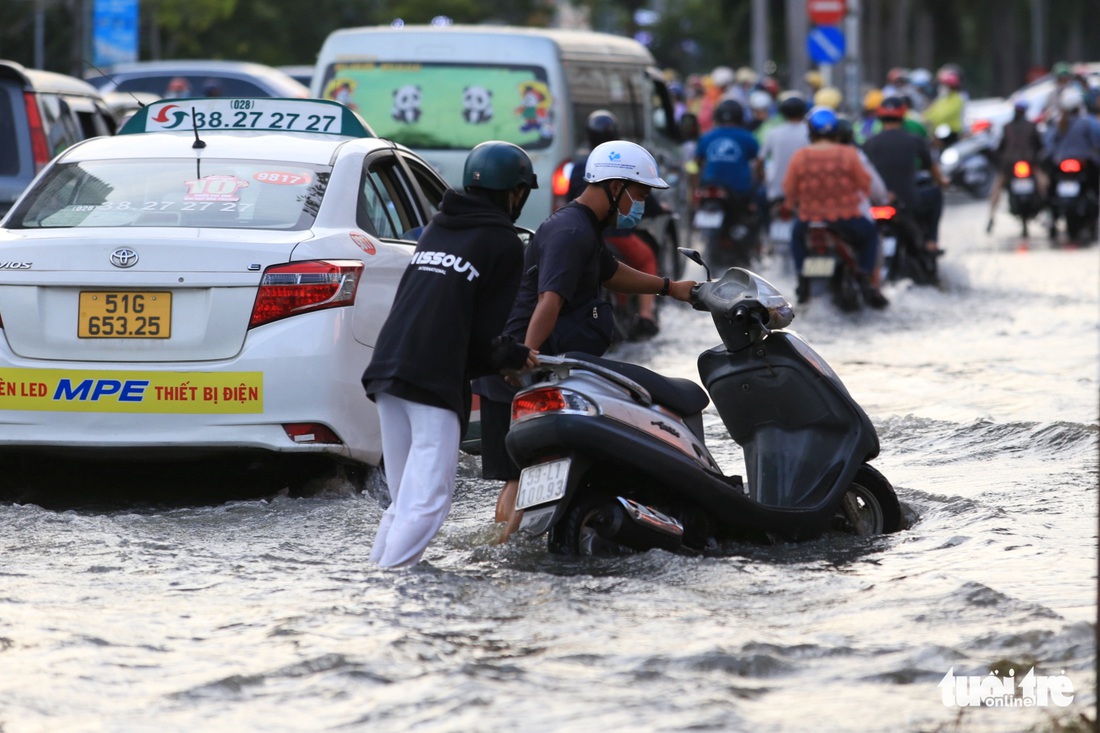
pixel 792 106
pixel 893 108
pixel 845 134
pixel 603 127
pixel 729 111
pixel 498 166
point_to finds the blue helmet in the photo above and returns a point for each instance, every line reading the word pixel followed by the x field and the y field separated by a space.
pixel 822 121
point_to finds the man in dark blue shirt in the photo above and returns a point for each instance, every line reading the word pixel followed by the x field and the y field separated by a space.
pixel 727 154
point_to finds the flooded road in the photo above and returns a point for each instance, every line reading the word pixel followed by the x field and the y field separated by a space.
pixel 264 615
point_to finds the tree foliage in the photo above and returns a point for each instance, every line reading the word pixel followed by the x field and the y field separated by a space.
pixel 991 39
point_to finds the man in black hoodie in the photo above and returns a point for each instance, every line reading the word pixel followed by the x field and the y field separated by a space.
pixel 442 331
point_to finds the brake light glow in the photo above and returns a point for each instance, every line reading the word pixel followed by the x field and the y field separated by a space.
pixel 883 213
pixel 550 399
pixel 302 287
pixel 1022 169
pixel 1070 165
pixel 39 148
pixel 559 184
pixel 311 432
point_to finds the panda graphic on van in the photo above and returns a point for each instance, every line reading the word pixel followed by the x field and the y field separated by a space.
pixel 406 103
pixel 477 104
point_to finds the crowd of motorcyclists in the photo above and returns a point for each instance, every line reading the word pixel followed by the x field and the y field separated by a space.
pixel 748 130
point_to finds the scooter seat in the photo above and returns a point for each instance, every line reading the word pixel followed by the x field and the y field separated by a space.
pixel 682 396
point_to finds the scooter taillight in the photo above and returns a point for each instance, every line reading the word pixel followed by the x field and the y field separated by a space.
pixel 1070 165
pixel 883 213
pixel 1022 169
pixel 550 399
pixel 709 192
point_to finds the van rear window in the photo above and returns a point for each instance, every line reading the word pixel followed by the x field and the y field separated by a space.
pixel 447 106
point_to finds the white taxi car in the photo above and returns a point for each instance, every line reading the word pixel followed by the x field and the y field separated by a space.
pixel 213 278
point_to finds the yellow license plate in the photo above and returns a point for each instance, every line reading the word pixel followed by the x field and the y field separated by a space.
pixel 125 314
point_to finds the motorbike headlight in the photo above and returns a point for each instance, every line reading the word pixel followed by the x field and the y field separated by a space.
pixel 950 157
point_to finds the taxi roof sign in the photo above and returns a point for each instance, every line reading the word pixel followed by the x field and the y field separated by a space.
pixel 242 114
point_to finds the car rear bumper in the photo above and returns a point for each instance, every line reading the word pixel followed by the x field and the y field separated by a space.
pixel 304 369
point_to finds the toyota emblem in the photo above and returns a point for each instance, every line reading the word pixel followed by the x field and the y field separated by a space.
pixel 124 257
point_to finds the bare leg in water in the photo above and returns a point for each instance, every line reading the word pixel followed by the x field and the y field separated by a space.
pixel 506 512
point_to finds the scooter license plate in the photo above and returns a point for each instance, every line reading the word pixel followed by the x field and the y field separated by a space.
pixel 780 231
pixel 1023 186
pixel 889 246
pixel 542 482
pixel 818 266
pixel 1068 189
pixel 707 219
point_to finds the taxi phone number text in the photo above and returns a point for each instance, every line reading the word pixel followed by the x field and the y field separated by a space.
pixel 242 120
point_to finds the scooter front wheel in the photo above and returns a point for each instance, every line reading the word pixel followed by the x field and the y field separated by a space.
pixel 870 505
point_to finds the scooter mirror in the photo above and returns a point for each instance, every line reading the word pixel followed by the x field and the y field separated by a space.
pixel 695 257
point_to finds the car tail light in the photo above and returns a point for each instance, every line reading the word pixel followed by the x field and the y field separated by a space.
pixel 550 399
pixel 311 432
pixel 303 287
pixel 39 148
pixel 1070 165
pixel 559 184
pixel 884 213
pixel 1022 169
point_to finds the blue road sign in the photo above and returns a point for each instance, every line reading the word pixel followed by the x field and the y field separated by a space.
pixel 115 31
pixel 825 44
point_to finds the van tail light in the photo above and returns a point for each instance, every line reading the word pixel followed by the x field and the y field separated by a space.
pixel 551 399
pixel 883 213
pixel 1070 165
pixel 303 287
pixel 1022 169
pixel 559 184
pixel 39 148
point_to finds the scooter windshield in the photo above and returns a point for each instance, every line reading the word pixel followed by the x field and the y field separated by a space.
pixel 738 286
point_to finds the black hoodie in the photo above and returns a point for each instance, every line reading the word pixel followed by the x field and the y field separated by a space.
pixel 451 303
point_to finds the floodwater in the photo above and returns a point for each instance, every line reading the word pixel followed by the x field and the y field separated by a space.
pixel 264 614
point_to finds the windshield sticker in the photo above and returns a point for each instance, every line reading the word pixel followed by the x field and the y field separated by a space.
pixel 534 109
pixel 448 106
pixel 214 188
pixel 282 178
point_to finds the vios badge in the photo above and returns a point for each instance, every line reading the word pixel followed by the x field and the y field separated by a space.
pixel 124 257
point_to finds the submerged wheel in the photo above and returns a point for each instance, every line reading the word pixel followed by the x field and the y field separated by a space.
pixel 846 293
pixel 577 533
pixel 870 506
pixel 923 269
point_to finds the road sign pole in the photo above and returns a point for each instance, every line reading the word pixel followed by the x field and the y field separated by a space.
pixel 853 67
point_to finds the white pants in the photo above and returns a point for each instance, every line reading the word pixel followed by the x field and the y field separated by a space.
pixel 420 452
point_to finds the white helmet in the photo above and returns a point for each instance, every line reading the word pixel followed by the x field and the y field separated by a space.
pixel 759 99
pixel 722 76
pixel 620 160
pixel 1070 98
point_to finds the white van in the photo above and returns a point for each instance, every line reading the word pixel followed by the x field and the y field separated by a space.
pixel 443 90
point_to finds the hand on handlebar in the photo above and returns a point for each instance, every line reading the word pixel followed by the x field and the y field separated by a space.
pixel 681 290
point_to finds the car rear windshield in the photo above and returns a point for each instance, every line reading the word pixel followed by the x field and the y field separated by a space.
pixel 448 106
pixel 220 194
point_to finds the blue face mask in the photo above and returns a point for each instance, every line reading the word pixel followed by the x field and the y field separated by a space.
pixel 637 208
